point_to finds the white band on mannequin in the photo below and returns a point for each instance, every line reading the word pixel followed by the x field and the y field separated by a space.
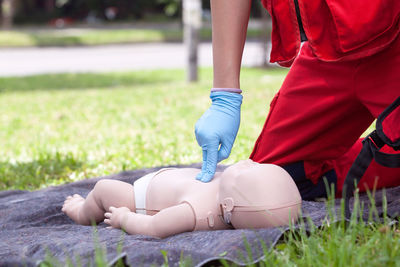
pixel 140 189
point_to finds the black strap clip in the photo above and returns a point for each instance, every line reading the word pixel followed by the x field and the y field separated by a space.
pixel 370 150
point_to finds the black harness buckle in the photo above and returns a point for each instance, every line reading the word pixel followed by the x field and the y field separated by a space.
pixel 370 150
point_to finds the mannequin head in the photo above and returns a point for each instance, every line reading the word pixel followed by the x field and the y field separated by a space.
pixel 254 195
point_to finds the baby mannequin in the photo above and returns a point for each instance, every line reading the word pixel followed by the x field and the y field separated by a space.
pixel 171 201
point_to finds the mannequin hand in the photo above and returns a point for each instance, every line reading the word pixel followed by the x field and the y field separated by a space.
pixel 115 217
pixel 218 126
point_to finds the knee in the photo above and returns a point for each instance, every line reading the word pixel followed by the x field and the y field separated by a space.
pixel 100 189
pixel 102 185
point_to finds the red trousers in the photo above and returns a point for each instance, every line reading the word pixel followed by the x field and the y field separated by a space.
pixel 323 108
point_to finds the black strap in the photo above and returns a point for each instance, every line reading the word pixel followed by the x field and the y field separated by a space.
pixel 374 137
pixel 356 172
pixel 379 127
pixel 384 159
pixel 370 150
pixel 303 36
pixel 387 160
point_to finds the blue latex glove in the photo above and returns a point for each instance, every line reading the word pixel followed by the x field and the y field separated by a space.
pixel 218 126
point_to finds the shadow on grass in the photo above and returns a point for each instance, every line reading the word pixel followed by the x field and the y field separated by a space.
pixel 45 169
pixel 92 37
pixel 106 37
pixel 88 80
pixel 48 40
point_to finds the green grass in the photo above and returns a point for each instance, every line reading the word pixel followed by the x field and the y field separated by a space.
pixel 62 128
pixel 82 37
pixel 342 243
pixel 337 245
pixel 337 242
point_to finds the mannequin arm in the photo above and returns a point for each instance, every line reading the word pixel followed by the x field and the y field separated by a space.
pixel 229 28
pixel 173 220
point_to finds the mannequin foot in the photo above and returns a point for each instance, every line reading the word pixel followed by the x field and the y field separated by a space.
pixel 72 206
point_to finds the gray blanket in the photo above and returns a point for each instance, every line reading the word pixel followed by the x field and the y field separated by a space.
pixel 33 226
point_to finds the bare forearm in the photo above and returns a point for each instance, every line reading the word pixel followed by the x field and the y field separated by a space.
pixel 170 221
pixel 134 223
pixel 229 27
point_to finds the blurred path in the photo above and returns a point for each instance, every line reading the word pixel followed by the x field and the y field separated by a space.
pixel 29 61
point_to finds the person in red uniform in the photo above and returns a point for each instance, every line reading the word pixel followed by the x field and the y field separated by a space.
pixel 346 72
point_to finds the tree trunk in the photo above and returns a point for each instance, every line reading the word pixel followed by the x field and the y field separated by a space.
pixel 192 25
pixel 49 5
pixel 7 12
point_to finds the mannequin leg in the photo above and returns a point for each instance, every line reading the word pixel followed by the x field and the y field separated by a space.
pixel 106 193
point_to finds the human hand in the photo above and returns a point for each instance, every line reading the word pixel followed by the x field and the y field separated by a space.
pixel 217 129
pixel 115 217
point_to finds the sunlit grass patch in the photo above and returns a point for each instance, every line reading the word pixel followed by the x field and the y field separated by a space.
pixel 65 127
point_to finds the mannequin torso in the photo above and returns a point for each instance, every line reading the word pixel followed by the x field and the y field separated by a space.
pixel 172 187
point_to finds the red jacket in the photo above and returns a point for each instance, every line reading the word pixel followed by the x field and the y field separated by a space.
pixel 336 29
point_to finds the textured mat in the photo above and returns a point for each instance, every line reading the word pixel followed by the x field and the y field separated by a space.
pixel 32 224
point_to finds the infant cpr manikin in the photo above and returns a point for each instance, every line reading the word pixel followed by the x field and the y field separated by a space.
pixel 258 196
pixel 171 201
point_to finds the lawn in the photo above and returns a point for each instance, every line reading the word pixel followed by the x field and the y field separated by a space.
pixel 67 127
pixel 25 38
pixel 96 36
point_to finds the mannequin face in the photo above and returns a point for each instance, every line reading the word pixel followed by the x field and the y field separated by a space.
pixel 257 195
pixel 231 172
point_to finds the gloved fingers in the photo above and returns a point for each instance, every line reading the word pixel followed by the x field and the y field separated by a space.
pixel 196 133
pixel 203 166
pixel 200 127
pixel 224 151
pixel 211 163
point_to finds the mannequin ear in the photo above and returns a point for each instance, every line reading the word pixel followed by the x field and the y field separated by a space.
pixel 228 203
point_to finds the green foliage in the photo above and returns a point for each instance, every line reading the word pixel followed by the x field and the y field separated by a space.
pixel 165 257
pixel 171 7
pixel 29 11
